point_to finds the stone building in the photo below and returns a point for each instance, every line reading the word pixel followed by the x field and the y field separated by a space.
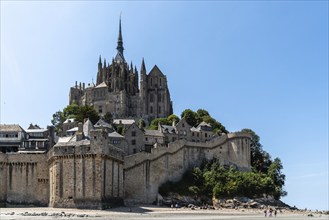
pixel 14 138
pixel 11 137
pixel 117 91
pixel 135 138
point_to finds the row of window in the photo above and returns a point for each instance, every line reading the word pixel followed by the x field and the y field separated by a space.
pixel 160 82
pixel 10 135
pixel 160 97
pixel 197 134
pixel 159 110
pixel 99 93
pixel 36 134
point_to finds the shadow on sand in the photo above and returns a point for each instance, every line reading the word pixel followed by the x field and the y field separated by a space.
pixel 132 209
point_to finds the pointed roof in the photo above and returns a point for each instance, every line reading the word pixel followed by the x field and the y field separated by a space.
pixel 115 134
pixel 11 127
pixel 156 72
pixel 102 123
pixel 102 85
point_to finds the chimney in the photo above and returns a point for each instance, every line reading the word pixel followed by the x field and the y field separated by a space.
pixel 79 133
pixel 76 84
pixel 80 85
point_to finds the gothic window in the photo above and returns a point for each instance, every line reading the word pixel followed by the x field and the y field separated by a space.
pixel 151 97
pixel 159 110
pixel 151 109
pixel 159 97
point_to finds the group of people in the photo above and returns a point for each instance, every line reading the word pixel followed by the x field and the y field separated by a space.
pixel 268 213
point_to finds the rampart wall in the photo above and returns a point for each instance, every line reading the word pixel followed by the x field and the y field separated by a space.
pixel 144 172
pixel 24 179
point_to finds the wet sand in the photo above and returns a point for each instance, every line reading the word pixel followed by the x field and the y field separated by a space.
pixel 145 213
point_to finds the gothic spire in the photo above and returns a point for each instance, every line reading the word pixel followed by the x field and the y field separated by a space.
pixel 120 42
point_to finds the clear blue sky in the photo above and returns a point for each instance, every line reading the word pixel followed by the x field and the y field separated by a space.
pixel 252 64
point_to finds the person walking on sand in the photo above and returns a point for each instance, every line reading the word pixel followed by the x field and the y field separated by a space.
pixel 275 212
pixel 265 213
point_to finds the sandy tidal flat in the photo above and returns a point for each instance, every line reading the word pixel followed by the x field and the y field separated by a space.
pixel 144 213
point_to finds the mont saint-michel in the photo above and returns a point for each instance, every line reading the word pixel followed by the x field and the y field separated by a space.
pixel 91 164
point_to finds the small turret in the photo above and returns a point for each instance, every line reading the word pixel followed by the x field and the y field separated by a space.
pixel 131 67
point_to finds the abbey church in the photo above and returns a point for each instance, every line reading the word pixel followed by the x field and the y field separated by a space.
pixel 117 90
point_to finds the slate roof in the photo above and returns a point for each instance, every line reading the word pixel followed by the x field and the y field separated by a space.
pixel 102 85
pixel 115 134
pixel 123 121
pixel 153 133
pixel 102 123
pixel 73 129
pixel 204 124
pixel 119 57
pixel 36 130
pixel 11 128
pixel 168 129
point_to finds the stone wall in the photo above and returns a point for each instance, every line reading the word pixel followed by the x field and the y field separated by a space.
pixel 144 172
pixel 86 174
pixel 24 179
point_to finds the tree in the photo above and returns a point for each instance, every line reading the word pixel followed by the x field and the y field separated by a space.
pixel 190 117
pixel 173 118
pixel 260 159
pixel 57 121
pixel 200 114
pixel 154 123
pixel 108 117
pixel 75 111
pixel 71 111
pixel 141 123
pixel 274 172
pixel 86 111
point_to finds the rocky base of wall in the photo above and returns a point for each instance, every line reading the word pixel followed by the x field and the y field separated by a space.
pixel 6 204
